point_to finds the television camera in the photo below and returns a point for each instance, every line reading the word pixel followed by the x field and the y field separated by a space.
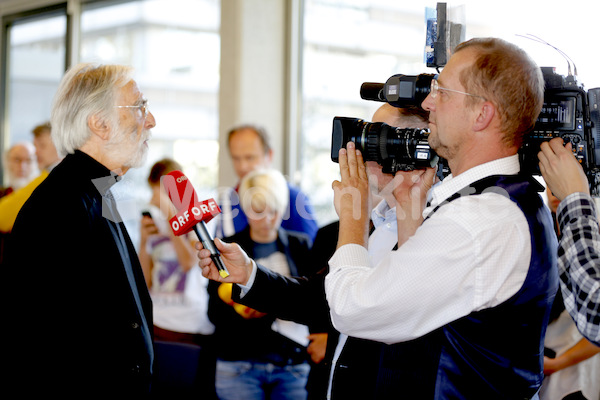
pixel 569 111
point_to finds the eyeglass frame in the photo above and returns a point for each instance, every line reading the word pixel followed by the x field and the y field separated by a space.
pixel 19 160
pixel 435 88
pixel 144 108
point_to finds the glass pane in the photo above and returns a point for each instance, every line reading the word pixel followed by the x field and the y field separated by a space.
pixel 176 58
pixel 347 43
pixel 36 65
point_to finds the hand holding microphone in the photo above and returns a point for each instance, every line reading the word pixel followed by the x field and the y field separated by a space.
pixel 237 261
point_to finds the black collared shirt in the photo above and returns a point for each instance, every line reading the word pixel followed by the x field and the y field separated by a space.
pixel 72 275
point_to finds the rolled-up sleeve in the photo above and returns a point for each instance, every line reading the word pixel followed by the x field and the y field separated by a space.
pixel 579 262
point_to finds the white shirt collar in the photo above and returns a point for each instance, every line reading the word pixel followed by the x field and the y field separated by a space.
pixel 382 213
pixel 450 185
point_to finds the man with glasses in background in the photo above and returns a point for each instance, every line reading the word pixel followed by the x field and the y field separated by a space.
pixel 20 165
pixel 78 313
pixel 47 158
pixel 465 299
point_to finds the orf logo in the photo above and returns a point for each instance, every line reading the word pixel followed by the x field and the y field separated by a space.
pixel 179 189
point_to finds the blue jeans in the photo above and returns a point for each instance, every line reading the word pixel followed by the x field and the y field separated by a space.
pixel 245 380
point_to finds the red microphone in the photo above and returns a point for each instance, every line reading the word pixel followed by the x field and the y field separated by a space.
pixel 192 214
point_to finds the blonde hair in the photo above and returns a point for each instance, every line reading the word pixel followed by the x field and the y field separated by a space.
pixel 263 188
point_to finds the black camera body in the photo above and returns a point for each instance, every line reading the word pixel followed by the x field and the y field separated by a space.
pixel 571 113
pixel 568 112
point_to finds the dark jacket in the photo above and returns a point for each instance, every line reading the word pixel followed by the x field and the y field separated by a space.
pixel 302 299
pixel 260 343
pixel 73 324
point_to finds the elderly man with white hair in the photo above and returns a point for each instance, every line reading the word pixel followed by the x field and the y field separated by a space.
pixel 78 311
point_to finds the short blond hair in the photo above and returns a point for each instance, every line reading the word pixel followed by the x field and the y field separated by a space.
pixel 263 188
pixel 507 76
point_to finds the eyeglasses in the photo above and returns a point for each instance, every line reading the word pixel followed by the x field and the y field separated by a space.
pixel 144 108
pixel 19 160
pixel 435 88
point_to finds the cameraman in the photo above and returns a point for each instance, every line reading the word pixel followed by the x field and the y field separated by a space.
pixel 353 363
pixel 467 295
pixel 579 246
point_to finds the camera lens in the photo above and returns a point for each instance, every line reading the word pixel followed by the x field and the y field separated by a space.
pixel 397 149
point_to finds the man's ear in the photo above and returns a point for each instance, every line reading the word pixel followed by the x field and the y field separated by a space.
pixel 99 127
pixel 485 116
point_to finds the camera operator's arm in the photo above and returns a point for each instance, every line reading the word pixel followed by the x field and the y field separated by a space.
pixel 351 198
pixel 579 262
pixel 561 170
pixel 580 352
pixel 410 194
pixel 579 246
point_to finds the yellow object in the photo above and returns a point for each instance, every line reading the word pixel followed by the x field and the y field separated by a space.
pixel 11 205
pixel 225 290
pixel 223 273
pixel 247 312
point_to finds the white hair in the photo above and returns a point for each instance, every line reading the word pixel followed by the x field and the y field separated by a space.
pixel 264 188
pixel 85 90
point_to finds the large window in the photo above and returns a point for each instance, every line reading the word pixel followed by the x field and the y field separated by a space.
pixel 347 42
pixel 174 47
pixel 176 59
pixel 36 63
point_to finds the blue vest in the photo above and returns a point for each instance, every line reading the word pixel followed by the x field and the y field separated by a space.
pixel 495 353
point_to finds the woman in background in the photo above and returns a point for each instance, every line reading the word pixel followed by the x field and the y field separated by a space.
pixel 169 262
pixel 255 358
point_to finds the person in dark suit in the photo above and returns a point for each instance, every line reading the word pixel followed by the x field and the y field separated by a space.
pixel 78 313
pixel 300 299
pixel 351 367
pixel 267 363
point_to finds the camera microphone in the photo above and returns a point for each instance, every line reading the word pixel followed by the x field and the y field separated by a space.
pixel 399 90
pixel 192 214
pixel 372 91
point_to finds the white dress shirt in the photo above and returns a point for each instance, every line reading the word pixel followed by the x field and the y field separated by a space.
pixel 472 253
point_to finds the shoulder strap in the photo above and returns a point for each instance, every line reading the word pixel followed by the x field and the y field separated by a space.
pixel 506 185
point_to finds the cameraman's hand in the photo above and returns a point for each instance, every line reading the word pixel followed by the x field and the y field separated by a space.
pixel 351 197
pixel 235 259
pixel 410 193
pixel 561 170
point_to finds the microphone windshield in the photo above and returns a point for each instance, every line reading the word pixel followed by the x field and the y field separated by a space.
pixel 190 211
pixel 180 190
pixel 372 91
